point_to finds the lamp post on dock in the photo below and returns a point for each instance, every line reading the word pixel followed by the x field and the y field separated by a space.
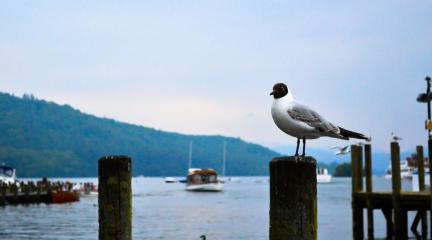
pixel 427 98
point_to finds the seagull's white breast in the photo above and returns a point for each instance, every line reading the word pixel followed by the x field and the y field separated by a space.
pixel 284 122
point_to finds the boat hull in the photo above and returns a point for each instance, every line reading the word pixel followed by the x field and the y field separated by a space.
pixel 208 187
pixel 324 178
pixel 65 197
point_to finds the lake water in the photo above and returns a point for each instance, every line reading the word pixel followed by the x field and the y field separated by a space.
pixel 167 211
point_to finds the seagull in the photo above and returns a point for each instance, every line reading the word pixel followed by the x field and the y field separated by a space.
pixel 395 137
pixel 342 150
pixel 301 122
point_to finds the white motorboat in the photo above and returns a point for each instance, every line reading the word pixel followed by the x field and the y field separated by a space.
pixel 405 171
pixel 203 180
pixel 323 176
pixel 7 175
pixel 170 180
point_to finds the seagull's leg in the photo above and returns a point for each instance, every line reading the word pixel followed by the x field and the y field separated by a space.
pixel 304 146
pixel 298 145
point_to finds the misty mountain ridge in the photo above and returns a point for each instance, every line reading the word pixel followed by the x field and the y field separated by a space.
pixel 41 138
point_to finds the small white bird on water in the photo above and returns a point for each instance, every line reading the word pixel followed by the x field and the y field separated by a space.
pixel 301 122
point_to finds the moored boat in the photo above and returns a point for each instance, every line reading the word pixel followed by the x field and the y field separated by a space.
pixel 203 180
pixel 323 176
pixel 405 171
pixel 170 180
pixel 64 196
pixel 7 175
pixel 87 189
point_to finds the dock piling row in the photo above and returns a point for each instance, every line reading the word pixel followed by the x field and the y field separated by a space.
pixel 395 204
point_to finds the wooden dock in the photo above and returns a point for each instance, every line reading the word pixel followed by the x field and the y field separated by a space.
pixel 39 192
pixel 395 204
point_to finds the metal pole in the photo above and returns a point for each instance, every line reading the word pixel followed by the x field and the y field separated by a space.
pixel 428 79
pixel 224 159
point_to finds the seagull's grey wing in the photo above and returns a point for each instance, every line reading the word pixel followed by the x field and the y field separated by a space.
pixel 345 148
pixel 306 115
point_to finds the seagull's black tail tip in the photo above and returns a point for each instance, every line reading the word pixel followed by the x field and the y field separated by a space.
pixel 351 134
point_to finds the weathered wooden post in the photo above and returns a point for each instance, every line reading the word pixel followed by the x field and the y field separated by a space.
pixel 293 198
pixel 368 170
pixel 422 187
pixel 421 214
pixel 115 198
pixel 357 186
pixel 400 228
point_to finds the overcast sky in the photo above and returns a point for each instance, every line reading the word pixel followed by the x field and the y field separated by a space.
pixel 207 67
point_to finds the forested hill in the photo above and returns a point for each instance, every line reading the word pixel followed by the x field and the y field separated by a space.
pixel 41 138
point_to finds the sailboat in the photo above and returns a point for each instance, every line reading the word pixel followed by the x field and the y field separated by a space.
pixel 202 179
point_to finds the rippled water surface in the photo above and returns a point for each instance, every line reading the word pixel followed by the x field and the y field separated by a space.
pixel 167 211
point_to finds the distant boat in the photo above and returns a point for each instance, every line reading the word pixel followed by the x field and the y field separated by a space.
pixel 7 175
pixel 64 197
pixel 170 180
pixel 87 189
pixel 323 176
pixel 200 179
pixel 405 171
pixel 203 180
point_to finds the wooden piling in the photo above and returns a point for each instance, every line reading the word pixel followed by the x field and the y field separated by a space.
pixel 357 186
pixel 293 198
pixel 115 198
pixel 430 182
pixel 389 221
pixel 400 229
pixel 420 167
pixel 422 187
pixel 368 170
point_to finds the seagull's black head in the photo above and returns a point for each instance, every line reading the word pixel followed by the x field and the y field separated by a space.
pixel 279 90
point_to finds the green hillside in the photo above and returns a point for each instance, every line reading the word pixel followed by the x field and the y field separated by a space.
pixel 41 138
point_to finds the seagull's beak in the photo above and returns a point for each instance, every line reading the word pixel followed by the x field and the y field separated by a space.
pixel 271 93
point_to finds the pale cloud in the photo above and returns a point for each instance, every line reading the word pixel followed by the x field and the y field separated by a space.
pixel 208 67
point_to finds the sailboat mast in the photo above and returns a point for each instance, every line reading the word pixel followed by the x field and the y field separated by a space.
pixel 224 159
pixel 190 154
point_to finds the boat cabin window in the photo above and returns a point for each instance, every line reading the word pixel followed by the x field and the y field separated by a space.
pixel 212 178
pixel 202 178
pixel 197 178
